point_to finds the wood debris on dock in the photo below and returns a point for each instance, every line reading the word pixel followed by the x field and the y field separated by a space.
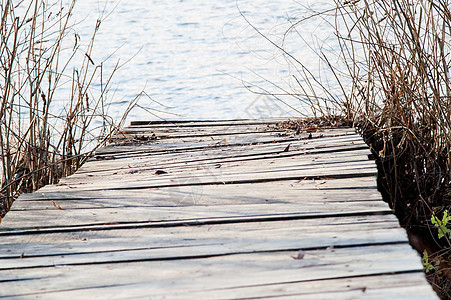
pixel 240 209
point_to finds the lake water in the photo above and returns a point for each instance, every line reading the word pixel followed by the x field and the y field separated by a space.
pixel 201 59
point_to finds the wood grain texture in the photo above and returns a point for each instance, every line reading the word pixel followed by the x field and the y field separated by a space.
pixel 239 209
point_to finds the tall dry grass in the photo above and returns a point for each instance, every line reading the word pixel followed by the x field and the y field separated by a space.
pixel 393 72
pixel 402 99
pixel 390 74
pixel 398 56
pixel 51 97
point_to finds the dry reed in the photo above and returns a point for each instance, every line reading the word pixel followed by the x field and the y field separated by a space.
pixel 392 69
pixel 43 137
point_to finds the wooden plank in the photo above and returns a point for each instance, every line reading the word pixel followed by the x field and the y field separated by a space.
pixel 164 134
pixel 210 177
pixel 227 229
pixel 354 150
pixel 222 141
pixel 277 160
pixel 186 199
pixel 304 165
pixel 190 143
pixel 240 194
pixel 252 137
pixel 220 273
pixel 387 286
pixel 176 242
pixel 200 127
pixel 191 250
pixel 143 169
pixel 352 191
pixel 160 243
pixel 181 132
pixel 204 123
pixel 250 149
pixel 76 217
pixel 340 189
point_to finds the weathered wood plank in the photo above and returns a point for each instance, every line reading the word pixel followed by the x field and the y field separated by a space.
pixel 399 286
pixel 76 217
pixel 386 286
pixel 312 155
pixel 179 232
pixel 248 165
pixel 345 189
pixel 196 143
pixel 195 196
pixel 142 133
pixel 353 191
pixel 212 177
pixel 204 123
pixel 193 143
pixel 180 250
pixel 267 167
pixel 218 274
pixel 183 132
pixel 199 127
pixel 158 243
pixel 249 149
pixel 273 162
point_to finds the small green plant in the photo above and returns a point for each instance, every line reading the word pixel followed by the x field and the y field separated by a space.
pixel 427 265
pixel 441 224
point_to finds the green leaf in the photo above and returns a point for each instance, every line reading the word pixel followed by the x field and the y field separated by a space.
pixel 426 264
pixel 441 224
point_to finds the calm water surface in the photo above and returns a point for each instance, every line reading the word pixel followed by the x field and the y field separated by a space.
pixel 200 59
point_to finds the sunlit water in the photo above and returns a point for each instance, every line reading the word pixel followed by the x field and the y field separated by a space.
pixel 201 59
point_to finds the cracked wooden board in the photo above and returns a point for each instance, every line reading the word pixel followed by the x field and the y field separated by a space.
pixel 172 144
pixel 238 194
pixel 231 276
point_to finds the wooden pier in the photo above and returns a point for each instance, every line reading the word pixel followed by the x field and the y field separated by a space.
pixel 213 210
